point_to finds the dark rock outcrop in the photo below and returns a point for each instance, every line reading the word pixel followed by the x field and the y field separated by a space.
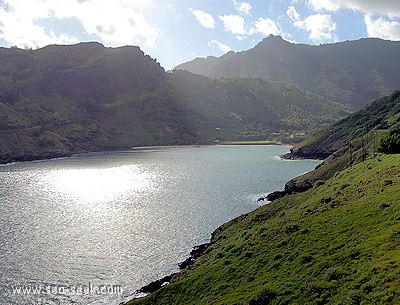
pixel 300 154
pixel 155 285
pixel 194 254
pixel 291 187
pixel 275 195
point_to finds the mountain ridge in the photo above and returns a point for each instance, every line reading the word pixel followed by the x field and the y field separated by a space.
pixel 349 72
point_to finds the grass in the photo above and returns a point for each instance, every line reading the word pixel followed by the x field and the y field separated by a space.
pixel 338 243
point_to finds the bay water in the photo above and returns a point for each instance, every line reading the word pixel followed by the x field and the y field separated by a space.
pixel 93 228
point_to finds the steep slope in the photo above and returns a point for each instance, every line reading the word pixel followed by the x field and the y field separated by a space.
pixel 60 100
pixel 64 99
pixel 350 72
pixel 337 243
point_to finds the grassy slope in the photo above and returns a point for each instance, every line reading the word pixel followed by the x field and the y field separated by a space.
pixel 379 114
pixel 298 250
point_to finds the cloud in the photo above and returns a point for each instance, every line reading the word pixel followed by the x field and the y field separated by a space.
pixel 382 28
pixel 233 23
pixel 223 47
pixel 205 19
pixel 113 22
pixel 321 5
pixel 19 30
pixel 320 27
pixel 265 26
pixel 242 7
pixel 292 13
pixel 372 7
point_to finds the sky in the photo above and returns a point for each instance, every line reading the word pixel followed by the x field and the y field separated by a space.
pixel 176 31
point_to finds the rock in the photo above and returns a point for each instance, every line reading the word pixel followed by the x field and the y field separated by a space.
pixel 196 252
pixel 276 195
pixel 292 187
pixel 186 263
pixel 156 285
pixel 300 154
pixel 326 200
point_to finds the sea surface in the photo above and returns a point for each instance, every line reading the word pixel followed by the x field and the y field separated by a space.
pixel 93 228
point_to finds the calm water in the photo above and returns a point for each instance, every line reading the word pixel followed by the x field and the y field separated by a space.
pixel 122 219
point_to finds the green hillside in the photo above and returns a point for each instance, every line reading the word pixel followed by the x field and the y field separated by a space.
pixel 337 243
pixel 378 115
pixel 60 100
pixel 252 109
pixel 348 142
pixel 350 72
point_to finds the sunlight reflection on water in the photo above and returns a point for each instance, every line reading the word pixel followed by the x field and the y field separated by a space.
pixel 90 186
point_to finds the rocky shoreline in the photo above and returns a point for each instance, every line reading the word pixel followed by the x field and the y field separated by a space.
pixel 196 252
pixel 301 155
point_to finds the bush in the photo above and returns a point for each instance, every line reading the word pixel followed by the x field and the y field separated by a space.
pixel 390 143
pixel 334 273
pixel 263 298
pixel 291 228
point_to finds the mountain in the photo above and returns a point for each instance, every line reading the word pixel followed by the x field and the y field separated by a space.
pixel 60 100
pixel 250 109
pixel 350 72
pixel 65 99
pixel 335 241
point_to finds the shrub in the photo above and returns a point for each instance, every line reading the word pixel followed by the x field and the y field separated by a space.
pixel 390 143
pixel 263 298
pixel 343 186
pixel 306 258
pixel 291 228
pixel 319 183
pixel 334 273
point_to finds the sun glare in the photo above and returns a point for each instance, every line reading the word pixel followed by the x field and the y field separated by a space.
pixel 99 185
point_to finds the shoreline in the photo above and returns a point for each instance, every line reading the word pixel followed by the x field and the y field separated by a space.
pixel 11 161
